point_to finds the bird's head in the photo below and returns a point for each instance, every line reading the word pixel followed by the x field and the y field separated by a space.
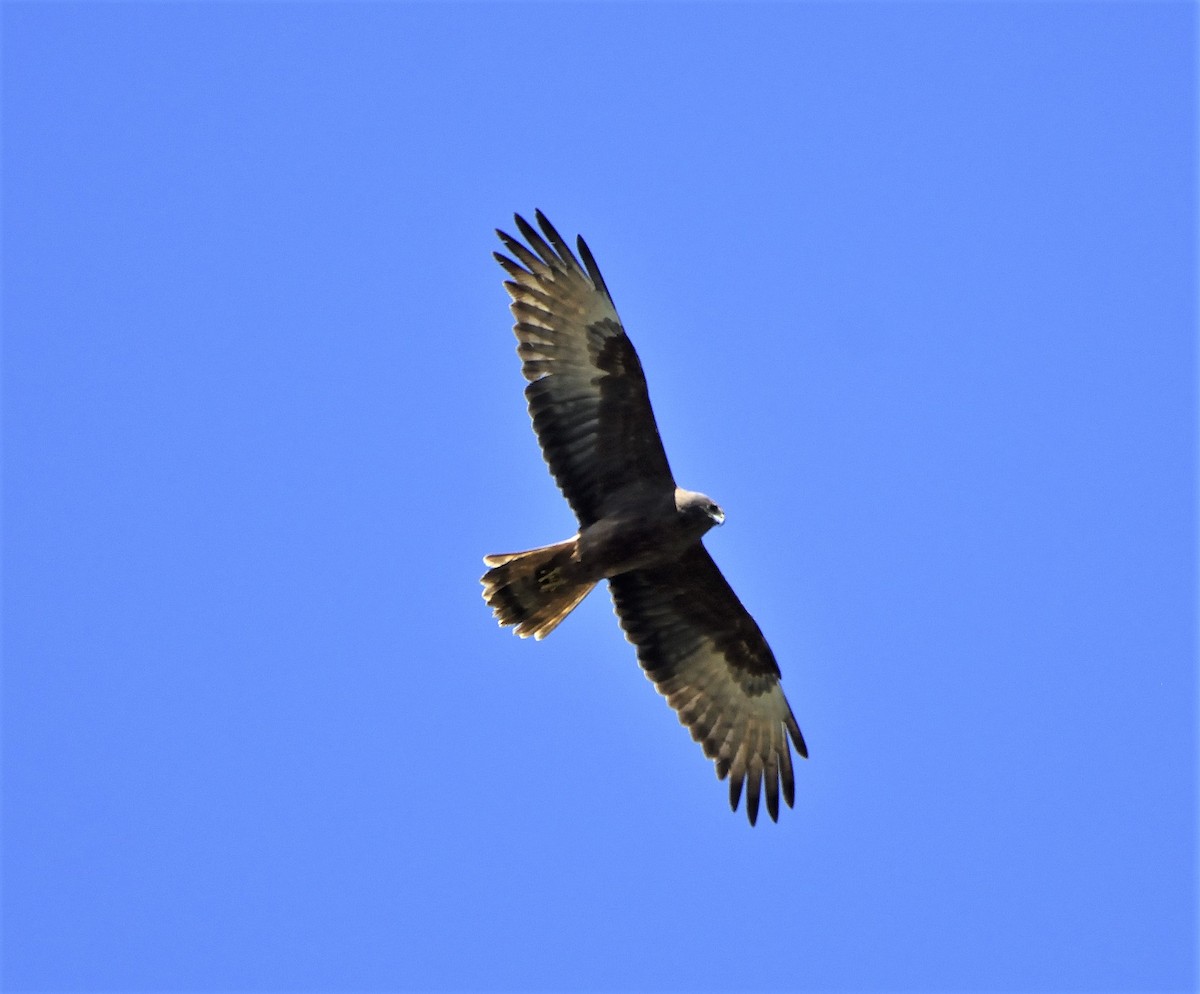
pixel 698 510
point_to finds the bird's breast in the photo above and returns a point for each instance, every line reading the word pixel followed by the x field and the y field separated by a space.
pixel 622 543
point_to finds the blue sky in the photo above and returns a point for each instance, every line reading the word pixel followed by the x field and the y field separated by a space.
pixel 915 289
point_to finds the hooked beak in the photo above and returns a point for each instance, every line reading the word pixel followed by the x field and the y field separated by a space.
pixel 717 515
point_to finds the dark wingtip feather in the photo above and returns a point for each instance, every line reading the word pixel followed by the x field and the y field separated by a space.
pixel 534 263
pixel 537 242
pixel 794 731
pixel 545 225
pixel 771 776
pixel 593 270
pixel 512 268
pixel 735 792
pixel 507 239
pixel 785 772
pixel 557 240
pixel 753 789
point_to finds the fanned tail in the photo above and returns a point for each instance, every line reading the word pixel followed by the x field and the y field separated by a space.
pixel 534 590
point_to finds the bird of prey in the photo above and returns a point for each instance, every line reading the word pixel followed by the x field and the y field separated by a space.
pixel 639 531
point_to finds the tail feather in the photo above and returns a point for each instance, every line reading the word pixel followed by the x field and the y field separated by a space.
pixel 534 590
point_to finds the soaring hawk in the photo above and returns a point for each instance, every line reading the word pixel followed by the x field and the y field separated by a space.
pixel 637 530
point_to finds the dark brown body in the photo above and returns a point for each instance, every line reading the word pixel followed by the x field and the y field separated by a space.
pixel 591 412
pixel 536 590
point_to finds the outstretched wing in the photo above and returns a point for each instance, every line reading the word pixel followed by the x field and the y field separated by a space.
pixel 708 658
pixel 587 393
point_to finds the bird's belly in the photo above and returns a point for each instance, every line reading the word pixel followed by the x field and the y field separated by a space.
pixel 609 547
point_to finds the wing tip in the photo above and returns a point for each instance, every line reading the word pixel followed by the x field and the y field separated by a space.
pixel 593 270
pixel 796 735
pixel 735 792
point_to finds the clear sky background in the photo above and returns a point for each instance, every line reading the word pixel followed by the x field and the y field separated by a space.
pixel 915 289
